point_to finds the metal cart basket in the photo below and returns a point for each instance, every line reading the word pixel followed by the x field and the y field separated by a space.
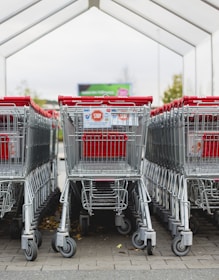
pixel 183 158
pixel 27 167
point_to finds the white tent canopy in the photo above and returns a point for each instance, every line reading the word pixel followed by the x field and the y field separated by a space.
pixel 190 28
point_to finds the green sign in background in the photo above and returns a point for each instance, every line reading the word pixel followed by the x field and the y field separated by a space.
pixel 104 89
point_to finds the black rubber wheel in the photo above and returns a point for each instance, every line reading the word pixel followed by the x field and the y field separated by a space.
pixel 216 218
pixel 149 247
pixel 194 224
pixel 126 228
pixel 84 226
pixel 53 244
pixel 69 249
pixel 38 238
pixel 137 242
pixel 32 251
pixel 178 249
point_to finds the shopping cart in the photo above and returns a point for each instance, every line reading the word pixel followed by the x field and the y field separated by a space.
pixel 104 142
pixel 202 156
pixel 27 167
pixel 182 154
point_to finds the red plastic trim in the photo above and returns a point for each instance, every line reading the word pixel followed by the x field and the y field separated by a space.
pixel 107 100
pixel 22 101
pixel 196 101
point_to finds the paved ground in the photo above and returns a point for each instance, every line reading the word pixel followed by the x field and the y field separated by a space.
pixel 105 254
pixel 110 251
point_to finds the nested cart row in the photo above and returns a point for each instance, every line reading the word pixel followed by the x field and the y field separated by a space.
pixel 104 142
pixel 28 167
pixel 182 164
pixel 118 154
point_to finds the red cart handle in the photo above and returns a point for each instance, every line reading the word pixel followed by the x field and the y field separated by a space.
pixel 106 100
pixel 196 101
pixel 21 101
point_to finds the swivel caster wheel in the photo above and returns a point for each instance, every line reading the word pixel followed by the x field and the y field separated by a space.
pixel 179 249
pixel 84 226
pixel 126 228
pixel 137 242
pixel 32 251
pixel 53 244
pixel 194 224
pixel 69 249
pixel 38 238
pixel 149 247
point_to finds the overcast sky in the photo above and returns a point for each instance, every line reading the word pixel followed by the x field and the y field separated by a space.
pixel 93 48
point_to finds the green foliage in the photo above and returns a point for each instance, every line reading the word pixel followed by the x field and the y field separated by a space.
pixel 174 91
pixel 39 101
pixel 24 90
pixel 60 135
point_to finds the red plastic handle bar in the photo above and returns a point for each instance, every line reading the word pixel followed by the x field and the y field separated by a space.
pixel 196 101
pixel 106 100
pixel 22 101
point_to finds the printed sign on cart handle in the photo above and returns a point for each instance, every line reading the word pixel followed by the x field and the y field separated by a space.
pixel 97 118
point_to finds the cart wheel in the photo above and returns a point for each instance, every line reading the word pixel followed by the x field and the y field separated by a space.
pixel 137 242
pixel 53 244
pixel 84 226
pixel 194 224
pixel 178 249
pixel 69 249
pixel 38 238
pixel 31 252
pixel 126 228
pixel 149 247
pixel 216 218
